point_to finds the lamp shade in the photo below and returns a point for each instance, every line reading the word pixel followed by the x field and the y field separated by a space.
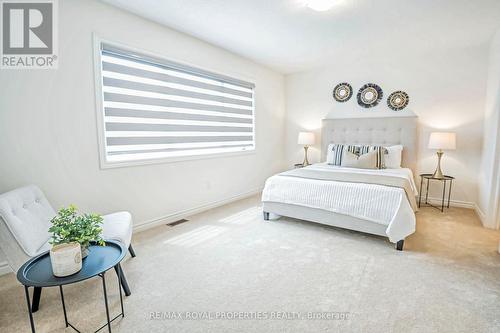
pixel 442 140
pixel 306 138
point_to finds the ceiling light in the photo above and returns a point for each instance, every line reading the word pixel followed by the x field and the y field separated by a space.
pixel 320 5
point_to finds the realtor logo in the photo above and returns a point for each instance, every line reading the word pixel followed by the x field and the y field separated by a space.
pixel 29 38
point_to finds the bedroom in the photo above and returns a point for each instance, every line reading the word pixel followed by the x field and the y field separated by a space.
pixel 197 218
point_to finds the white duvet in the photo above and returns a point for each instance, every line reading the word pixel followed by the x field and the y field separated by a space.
pixel 380 204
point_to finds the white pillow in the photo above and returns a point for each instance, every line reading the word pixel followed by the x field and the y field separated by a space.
pixel 392 158
pixel 330 154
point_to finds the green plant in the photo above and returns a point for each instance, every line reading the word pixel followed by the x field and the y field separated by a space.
pixel 68 226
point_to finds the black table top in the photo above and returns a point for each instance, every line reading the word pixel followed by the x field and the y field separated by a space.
pixel 431 176
pixel 37 272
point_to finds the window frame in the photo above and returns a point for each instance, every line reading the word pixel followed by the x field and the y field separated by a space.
pixel 99 99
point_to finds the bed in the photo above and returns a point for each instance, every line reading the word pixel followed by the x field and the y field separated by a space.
pixel 380 202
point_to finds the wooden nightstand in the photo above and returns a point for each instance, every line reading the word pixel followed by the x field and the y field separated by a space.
pixel 428 177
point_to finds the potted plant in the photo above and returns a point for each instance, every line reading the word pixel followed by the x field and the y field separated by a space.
pixel 68 226
pixel 66 259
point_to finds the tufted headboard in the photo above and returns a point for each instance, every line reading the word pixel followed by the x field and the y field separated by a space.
pixel 385 131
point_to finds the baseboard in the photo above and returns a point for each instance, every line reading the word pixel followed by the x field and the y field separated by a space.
pixel 195 210
pixel 481 215
pixel 486 221
pixel 5 268
pixel 453 203
pixel 463 204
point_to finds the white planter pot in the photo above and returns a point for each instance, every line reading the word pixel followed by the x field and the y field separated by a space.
pixel 66 259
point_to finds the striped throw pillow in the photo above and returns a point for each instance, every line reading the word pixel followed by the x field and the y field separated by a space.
pixel 337 151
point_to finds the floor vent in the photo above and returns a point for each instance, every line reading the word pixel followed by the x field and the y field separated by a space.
pixel 171 224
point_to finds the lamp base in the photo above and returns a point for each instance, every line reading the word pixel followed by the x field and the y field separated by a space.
pixel 438 173
pixel 306 161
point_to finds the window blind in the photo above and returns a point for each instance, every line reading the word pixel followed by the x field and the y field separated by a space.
pixel 154 108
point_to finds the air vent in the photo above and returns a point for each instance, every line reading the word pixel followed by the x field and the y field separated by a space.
pixel 171 224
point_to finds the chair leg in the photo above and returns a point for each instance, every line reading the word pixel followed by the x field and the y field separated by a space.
pixel 37 292
pixel 399 245
pixel 266 216
pixel 131 250
pixel 123 280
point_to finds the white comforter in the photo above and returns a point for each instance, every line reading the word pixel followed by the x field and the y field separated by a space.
pixel 381 204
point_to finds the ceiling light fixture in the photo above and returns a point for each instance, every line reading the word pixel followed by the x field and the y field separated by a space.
pixel 320 5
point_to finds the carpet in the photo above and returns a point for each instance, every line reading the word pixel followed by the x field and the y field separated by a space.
pixel 228 270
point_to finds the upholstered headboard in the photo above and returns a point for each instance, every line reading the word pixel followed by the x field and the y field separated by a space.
pixel 377 131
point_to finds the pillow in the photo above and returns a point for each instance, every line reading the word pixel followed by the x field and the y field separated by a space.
pixel 330 153
pixel 380 153
pixel 363 161
pixel 392 157
pixel 336 153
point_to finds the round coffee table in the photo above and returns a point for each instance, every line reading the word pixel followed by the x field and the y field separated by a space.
pixel 37 273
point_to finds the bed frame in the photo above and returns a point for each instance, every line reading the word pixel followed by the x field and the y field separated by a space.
pixel 385 131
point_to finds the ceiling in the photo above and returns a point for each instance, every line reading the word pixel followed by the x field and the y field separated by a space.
pixel 289 37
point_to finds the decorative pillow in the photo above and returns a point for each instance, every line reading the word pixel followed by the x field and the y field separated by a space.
pixel 380 153
pixel 336 153
pixel 363 161
pixel 330 154
pixel 392 158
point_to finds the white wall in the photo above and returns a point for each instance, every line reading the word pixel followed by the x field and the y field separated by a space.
pixel 490 177
pixel 446 89
pixel 49 133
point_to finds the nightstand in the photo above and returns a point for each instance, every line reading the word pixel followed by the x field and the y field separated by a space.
pixel 429 177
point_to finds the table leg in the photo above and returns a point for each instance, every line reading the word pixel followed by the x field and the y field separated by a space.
pixel 119 272
pixel 444 193
pixel 29 308
pixel 123 280
pixel 427 192
pixel 106 300
pixel 420 192
pixel 37 292
pixel 64 305
pixel 449 193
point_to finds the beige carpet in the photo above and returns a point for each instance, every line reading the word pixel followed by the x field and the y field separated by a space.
pixel 229 260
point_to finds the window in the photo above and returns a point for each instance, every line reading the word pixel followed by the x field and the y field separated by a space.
pixel 156 109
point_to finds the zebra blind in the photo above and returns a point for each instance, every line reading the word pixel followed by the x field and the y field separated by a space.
pixel 153 108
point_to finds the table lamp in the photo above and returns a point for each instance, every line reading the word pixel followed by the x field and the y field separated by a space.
pixel 441 141
pixel 306 139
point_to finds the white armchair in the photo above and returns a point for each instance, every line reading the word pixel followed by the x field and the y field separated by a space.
pixel 25 216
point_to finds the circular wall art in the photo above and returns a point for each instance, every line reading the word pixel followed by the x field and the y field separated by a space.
pixel 342 92
pixel 398 100
pixel 369 95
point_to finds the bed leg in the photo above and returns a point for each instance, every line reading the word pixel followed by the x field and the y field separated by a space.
pixel 266 216
pixel 399 245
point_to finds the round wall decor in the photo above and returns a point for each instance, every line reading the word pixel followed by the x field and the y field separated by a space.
pixel 369 95
pixel 398 100
pixel 342 92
